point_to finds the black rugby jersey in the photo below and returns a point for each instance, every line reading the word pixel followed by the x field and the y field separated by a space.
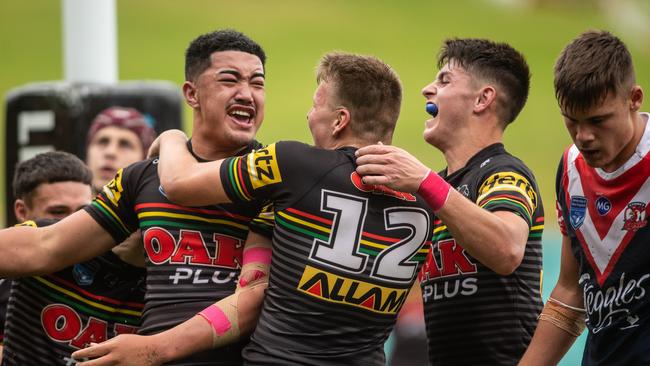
pixel 473 315
pixel 193 255
pixel 51 316
pixel 345 255
pixel 606 217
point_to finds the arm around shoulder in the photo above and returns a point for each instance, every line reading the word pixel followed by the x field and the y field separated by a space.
pixel 184 180
pixel 32 251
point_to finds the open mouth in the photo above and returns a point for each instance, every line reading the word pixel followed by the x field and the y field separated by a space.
pixel 242 115
pixel 107 172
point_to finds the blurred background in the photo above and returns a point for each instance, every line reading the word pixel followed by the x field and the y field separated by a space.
pixel 152 36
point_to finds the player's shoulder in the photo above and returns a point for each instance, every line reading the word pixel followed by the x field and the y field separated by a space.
pixel 138 170
pixel 504 162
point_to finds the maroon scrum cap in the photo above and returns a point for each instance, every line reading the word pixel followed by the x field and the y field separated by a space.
pixel 128 118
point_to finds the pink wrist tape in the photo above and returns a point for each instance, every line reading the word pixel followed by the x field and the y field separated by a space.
pixel 434 190
pixel 256 275
pixel 259 255
pixel 216 318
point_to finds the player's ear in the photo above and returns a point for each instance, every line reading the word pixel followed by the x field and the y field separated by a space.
pixel 487 95
pixel 20 210
pixel 190 94
pixel 342 120
pixel 636 98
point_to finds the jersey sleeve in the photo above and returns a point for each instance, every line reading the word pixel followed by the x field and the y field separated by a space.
pixel 509 188
pixel 256 175
pixel 113 208
pixel 264 222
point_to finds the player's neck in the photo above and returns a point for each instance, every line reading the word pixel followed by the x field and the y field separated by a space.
pixel 206 149
pixel 458 154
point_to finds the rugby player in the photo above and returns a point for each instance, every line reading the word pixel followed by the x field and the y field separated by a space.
pixel 345 253
pixel 193 255
pixel 481 281
pixel 117 137
pixel 602 200
pixel 50 316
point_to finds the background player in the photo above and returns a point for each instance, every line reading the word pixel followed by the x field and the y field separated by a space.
pixel 117 137
pixel 602 200
pixel 481 281
pixel 50 316
pixel 193 255
pixel 345 254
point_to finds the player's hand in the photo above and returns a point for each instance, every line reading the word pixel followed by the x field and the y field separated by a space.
pixel 125 350
pixel 390 166
pixel 154 149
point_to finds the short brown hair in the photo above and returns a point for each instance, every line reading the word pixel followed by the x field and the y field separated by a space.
pixel 48 167
pixel 499 63
pixel 368 88
pixel 589 68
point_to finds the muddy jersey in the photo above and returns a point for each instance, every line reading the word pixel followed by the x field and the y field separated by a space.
pixel 473 315
pixel 193 255
pixel 345 255
pixel 606 217
pixel 51 316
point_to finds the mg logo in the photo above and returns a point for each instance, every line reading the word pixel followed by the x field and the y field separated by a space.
pixel 603 206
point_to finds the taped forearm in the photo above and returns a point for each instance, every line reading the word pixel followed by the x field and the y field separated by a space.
pixel 568 318
pixel 236 315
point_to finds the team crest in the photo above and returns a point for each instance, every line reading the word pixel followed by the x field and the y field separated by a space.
pixel 83 275
pixel 577 211
pixel 634 216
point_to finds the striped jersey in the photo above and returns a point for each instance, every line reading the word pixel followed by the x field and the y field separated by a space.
pixel 345 255
pixel 473 315
pixel 193 255
pixel 51 316
pixel 5 287
pixel 606 217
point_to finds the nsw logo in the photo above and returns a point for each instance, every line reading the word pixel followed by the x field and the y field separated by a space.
pixel 603 206
pixel 577 211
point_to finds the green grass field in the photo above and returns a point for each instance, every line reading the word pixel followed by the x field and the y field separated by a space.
pixel 295 33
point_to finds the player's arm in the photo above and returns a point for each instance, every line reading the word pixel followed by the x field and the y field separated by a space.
pixel 185 180
pixel 220 324
pixel 496 239
pixel 562 319
pixel 30 251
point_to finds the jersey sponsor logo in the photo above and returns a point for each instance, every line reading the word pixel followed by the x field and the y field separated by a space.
pixel 453 261
pixel 342 290
pixel 509 181
pixel 603 206
pixel 263 167
pixel 634 216
pixel 615 304
pixel 62 323
pixel 190 248
pixel 200 276
pixel 379 189
pixel 577 211
pixel 442 278
pixel 113 189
